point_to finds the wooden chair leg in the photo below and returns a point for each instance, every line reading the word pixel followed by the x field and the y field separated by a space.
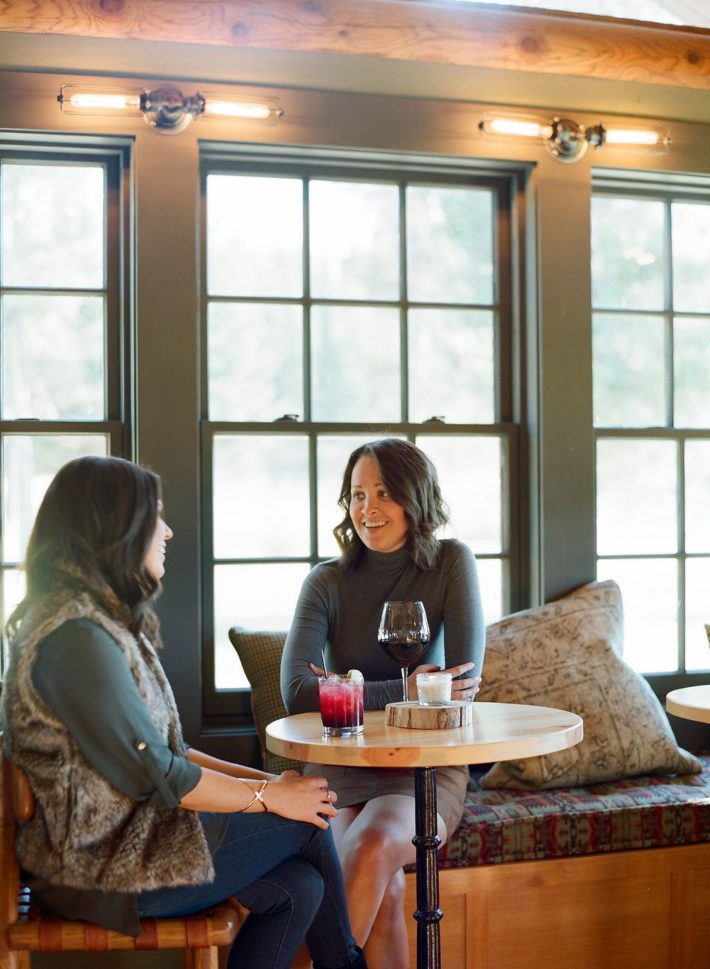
pixel 201 958
pixel 303 958
pixel 14 960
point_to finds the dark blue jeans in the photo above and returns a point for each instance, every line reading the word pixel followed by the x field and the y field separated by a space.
pixel 288 875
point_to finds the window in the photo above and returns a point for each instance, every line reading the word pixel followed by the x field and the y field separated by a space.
pixel 651 346
pixel 59 330
pixel 344 303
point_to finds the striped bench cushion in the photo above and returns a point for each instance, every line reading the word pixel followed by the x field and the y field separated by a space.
pixel 644 812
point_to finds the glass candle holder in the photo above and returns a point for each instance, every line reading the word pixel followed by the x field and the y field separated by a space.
pixel 433 688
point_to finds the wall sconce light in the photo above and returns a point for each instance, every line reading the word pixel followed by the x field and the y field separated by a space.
pixel 166 109
pixel 567 141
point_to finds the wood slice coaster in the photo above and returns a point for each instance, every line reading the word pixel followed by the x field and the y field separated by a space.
pixel 455 713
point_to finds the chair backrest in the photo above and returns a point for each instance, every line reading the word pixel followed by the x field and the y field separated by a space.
pixel 260 655
pixel 9 867
pixel 198 935
pixel 23 799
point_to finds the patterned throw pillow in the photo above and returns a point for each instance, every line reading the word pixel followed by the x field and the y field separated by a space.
pixel 567 654
pixel 260 654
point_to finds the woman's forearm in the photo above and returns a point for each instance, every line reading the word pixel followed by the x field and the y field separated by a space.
pixel 225 766
pixel 464 623
pixel 290 795
pixel 216 791
pixel 305 642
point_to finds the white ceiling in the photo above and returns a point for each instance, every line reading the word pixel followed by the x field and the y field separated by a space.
pixel 691 13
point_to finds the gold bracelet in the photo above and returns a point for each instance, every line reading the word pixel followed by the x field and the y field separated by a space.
pixel 258 796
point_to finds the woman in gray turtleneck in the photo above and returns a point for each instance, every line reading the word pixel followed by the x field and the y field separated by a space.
pixel 393 507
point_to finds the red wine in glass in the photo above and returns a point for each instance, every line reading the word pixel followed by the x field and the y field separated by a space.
pixel 404 635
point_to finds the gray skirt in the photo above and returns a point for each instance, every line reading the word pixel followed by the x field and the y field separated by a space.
pixel 355 785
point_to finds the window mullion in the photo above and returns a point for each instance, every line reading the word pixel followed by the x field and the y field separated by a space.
pixel 669 315
pixel 682 557
pixel 404 304
pixel 307 305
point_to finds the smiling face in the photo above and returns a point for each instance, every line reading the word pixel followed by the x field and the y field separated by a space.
pixel 380 523
pixel 154 560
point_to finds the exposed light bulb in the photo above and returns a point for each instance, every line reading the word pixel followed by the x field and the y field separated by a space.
pixel 509 126
pixel 111 102
pixel 237 109
pixel 634 136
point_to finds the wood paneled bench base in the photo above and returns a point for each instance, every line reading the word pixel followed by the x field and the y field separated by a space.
pixel 646 909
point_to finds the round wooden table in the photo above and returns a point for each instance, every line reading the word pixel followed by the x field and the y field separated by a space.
pixel 500 731
pixel 691 703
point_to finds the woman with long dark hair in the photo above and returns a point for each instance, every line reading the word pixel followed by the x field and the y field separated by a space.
pixel 128 821
pixel 392 509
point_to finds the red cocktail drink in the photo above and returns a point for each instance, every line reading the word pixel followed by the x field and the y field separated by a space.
pixel 341 705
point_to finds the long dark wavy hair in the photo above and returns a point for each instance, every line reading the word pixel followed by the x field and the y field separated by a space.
pixel 91 536
pixel 411 480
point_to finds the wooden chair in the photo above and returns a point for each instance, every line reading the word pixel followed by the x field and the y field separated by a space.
pixel 24 930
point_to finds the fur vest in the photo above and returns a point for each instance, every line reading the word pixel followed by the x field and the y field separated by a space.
pixel 84 832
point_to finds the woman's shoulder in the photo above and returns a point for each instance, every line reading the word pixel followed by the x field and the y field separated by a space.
pixel 322 582
pixel 325 573
pixel 79 644
pixel 74 637
pixel 453 550
pixel 79 630
pixel 456 561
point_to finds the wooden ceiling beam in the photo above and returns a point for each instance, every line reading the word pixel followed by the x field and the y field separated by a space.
pixel 410 30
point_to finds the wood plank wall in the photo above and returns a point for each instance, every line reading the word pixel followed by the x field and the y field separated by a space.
pixel 449 32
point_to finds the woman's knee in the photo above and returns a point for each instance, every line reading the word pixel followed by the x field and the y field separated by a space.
pixel 294 885
pixel 372 849
pixel 392 904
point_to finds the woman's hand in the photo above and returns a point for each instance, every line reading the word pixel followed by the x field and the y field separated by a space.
pixel 301 798
pixel 463 687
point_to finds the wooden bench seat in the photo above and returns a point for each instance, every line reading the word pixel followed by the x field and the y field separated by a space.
pixel 614 875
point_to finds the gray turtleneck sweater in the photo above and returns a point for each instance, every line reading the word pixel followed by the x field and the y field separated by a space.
pixel 339 611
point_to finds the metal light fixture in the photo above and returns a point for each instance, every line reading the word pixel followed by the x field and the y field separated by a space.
pixel 166 109
pixel 568 141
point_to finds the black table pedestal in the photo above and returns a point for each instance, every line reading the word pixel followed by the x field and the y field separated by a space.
pixel 427 841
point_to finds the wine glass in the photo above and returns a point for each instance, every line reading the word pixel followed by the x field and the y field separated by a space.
pixel 404 635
